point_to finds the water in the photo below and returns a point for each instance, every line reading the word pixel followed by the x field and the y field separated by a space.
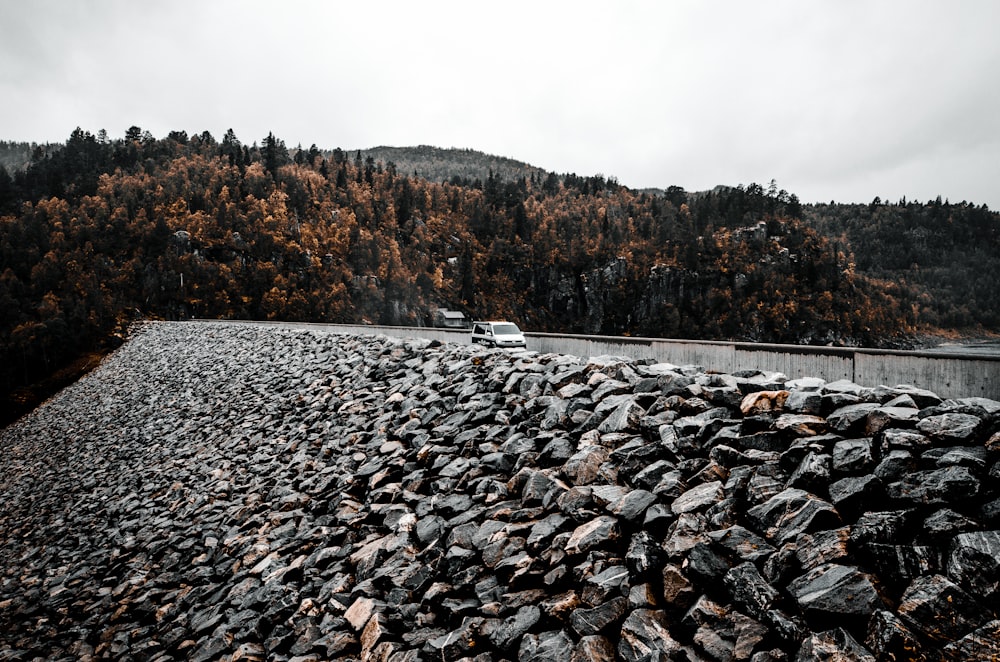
pixel 976 347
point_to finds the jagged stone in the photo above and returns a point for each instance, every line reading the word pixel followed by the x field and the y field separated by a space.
pixel 835 589
pixel 974 563
pixel 646 631
pixel 920 397
pixel 801 425
pixel 642 596
pixel 632 505
pixel 951 426
pixel 891 417
pixel 698 497
pixel 763 401
pixel 549 646
pixel 584 466
pixel 899 564
pixel 940 610
pixel 952 484
pixel 508 634
pixel 678 591
pixel 599 619
pixel 816 549
pixel 852 456
pixel 896 464
pixel 593 648
pixel 706 565
pixel 790 513
pixel 742 543
pixel 889 638
pixel 852 494
pixel 800 401
pixel 644 557
pixel 813 472
pixel 458 643
pixel 750 591
pixel 976 458
pixel 598 531
pixel 851 418
pixel 834 645
pixel 687 531
pixel 945 523
pixel 980 644
pixel 625 417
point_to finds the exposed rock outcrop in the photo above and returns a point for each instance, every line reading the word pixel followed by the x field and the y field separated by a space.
pixel 233 492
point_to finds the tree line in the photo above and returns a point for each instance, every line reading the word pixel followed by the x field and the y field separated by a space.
pixel 104 231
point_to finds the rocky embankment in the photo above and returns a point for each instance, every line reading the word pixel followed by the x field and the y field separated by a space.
pixel 218 492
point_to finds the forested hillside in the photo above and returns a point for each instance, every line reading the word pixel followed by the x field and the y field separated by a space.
pixel 451 165
pixel 103 231
pixel 946 255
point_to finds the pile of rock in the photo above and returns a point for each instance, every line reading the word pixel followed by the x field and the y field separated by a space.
pixel 249 493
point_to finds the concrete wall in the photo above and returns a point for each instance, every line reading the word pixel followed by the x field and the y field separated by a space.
pixel 949 375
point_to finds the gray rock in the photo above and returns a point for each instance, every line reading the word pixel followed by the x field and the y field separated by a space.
pixel 951 426
pixel 644 557
pixel 593 648
pixel 750 591
pixel 851 418
pixel 698 497
pixel 791 513
pixel 678 591
pixel 896 464
pixel 584 466
pixel 593 534
pixel 852 456
pixel 508 634
pixel 889 638
pixel 974 563
pixel 802 425
pixel 549 646
pixel 897 565
pixel 632 506
pixel 976 458
pixel 908 440
pixel 816 549
pixel 980 644
pixel 833 645
pixel 625 418
pixel 804 402
pixel 813 472
pixel 600 619
pixel 945 523
pixel 742 543
pixel 940 610
pixel 920 397
pixel 835 589
pixel 891 417
pixel 646 631
pixel 948 485
pixel 853 494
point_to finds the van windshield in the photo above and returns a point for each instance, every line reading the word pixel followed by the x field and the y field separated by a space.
pixel 505 329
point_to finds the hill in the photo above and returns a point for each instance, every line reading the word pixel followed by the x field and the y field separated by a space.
pixel 246 493
pixel 100 232
pixel 445 165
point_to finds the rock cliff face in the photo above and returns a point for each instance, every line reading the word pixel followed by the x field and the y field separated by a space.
pixel 219 492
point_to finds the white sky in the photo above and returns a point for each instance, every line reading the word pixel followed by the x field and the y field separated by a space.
pixel 835 99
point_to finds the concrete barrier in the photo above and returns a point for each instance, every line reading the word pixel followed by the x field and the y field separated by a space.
pixel 950 375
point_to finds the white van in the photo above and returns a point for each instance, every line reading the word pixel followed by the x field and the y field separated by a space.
pixel 497 334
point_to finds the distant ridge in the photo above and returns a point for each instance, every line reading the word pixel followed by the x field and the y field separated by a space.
pixel 438 164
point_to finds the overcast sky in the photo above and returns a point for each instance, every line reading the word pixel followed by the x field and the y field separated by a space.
pixel 836 100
